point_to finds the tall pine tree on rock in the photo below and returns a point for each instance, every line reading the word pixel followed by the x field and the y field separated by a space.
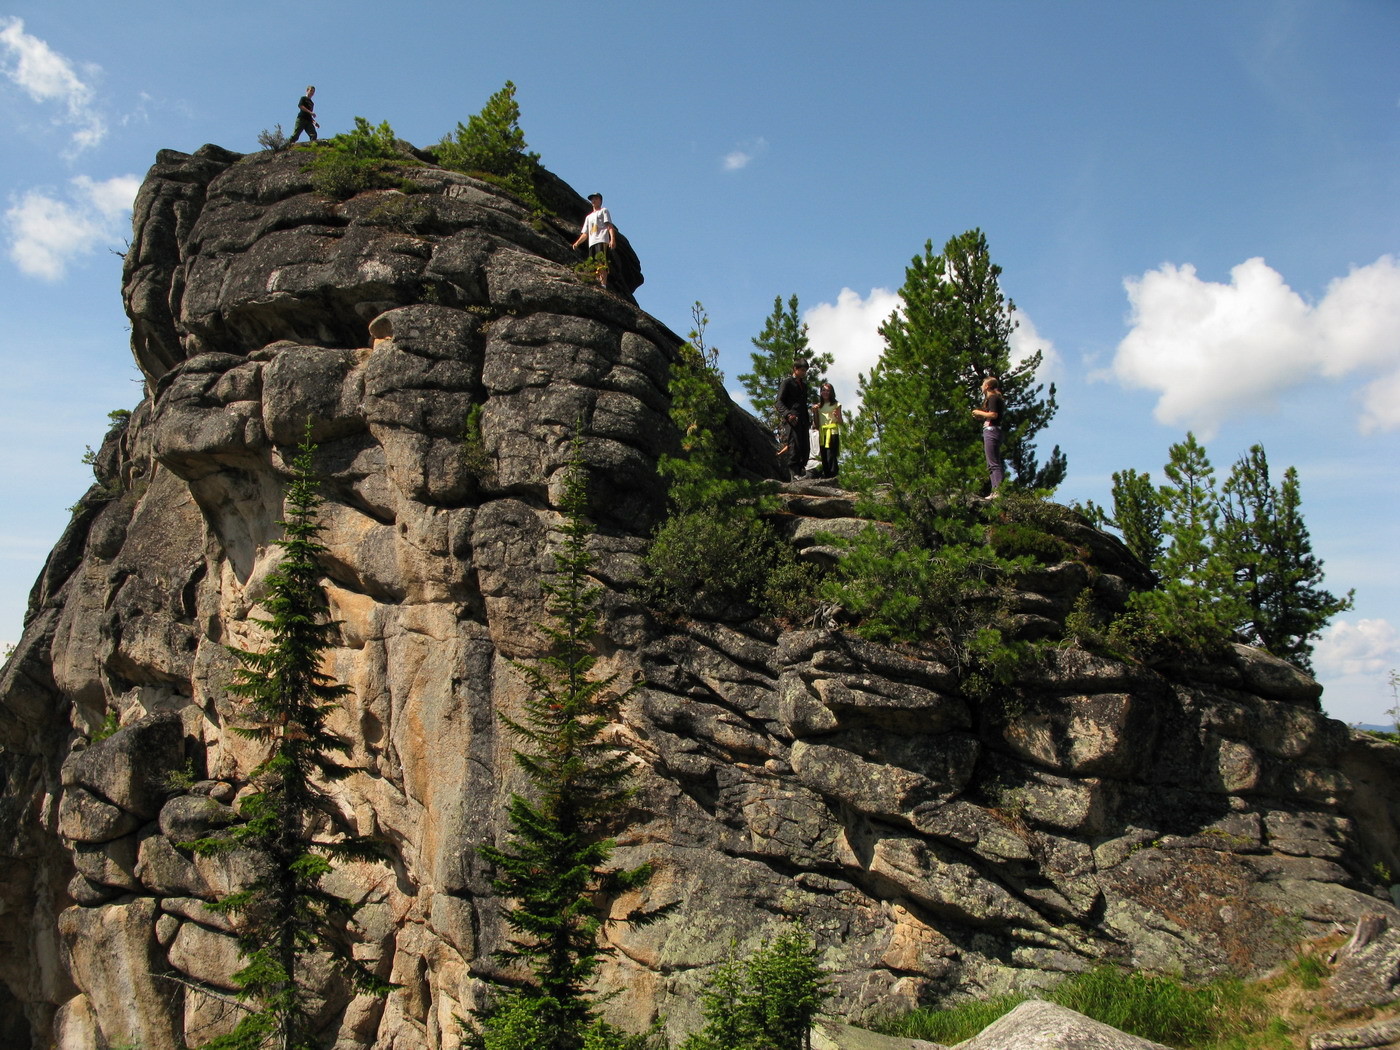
pixel 285 918
pixel 1269 549
pixel 952 330
pixel 555 868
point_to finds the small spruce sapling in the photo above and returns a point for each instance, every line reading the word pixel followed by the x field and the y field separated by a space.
pixel 765 1002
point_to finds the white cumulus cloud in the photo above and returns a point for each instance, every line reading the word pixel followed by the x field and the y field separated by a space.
pixel 1353 647
pixel 1025 340
pixel 849 330
pixel 47 232
pixel 48 77
pixel 1191 340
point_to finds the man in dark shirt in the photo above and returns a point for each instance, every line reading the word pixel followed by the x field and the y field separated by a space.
pixel 306 116
pixel 794 420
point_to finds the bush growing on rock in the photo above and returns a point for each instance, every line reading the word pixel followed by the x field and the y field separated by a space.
pixel 491 145
pixel 767 1001
pixel 366 158
pixel 715 554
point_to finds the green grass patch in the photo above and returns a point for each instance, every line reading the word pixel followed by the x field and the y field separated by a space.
pixel 952 1025
pixel 1223 1015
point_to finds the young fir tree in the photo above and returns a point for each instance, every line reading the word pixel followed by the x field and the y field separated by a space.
pixel 765 1002
pixel 782 341
pixel 490 141
pixel 1196 605
pixel 1265 542
pixel 713 547
pixel 953 329
pixel 917 455
pixel 554 867
pixel 1137 513
pixel 285 917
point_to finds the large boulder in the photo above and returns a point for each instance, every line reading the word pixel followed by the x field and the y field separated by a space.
pixel 934 840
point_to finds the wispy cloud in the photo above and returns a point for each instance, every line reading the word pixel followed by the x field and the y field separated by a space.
pixel 47 232
pixel 1194 341
pixel 741 156
pixel 48 77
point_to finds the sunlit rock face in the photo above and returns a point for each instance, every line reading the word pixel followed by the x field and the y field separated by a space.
pixel 932 842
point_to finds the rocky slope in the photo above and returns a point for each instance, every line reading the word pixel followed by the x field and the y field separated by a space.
pixel 933 844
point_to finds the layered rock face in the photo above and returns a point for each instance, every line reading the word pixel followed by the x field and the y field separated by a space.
pixel 934 844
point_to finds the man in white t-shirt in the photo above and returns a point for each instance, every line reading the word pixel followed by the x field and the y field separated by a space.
pixel 601 235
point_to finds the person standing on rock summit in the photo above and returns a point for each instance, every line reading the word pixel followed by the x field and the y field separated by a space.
pixel 794 419
pixel 602 236
pixel 991 413
pixel 306 116
pixel 826 421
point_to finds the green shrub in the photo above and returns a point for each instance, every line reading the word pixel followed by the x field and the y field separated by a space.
pixel 792 590
pixel 491 146
pixel 363 159
pixel 109 725
pixel 765 1002
pixel 475 458
pixel 700 561
pixel 518 1021
pixel 274 140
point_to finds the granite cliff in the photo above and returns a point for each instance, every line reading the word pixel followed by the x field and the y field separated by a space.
pixel 1196 819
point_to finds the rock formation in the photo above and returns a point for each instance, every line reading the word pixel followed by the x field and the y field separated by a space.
pixel 934 844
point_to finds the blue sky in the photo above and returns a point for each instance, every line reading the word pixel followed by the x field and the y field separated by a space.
pixel 1194 205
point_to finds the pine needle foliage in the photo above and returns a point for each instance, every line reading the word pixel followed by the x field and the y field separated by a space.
pixel 782 341
pixel 715 551
pixel 765 1002
pixel 952 330
pixel 491 144
pixel 1270 553
pixel 365 158
pixel 285 917
pixel 1233 560
pixel 554 868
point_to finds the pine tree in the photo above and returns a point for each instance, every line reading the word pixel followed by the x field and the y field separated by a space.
pixel 782 341
pixel 713 548
pixel 1137 513
pixel 285 917
pixel 954 329
pixel 1196 605
pixel 491 141
pixel 554 866
pixel 765 1002
pixel 1266 543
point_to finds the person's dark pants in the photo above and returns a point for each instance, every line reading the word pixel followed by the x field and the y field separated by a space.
pixel 798 440
pixel 303 124
pixel 830 454
pixel 991 445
